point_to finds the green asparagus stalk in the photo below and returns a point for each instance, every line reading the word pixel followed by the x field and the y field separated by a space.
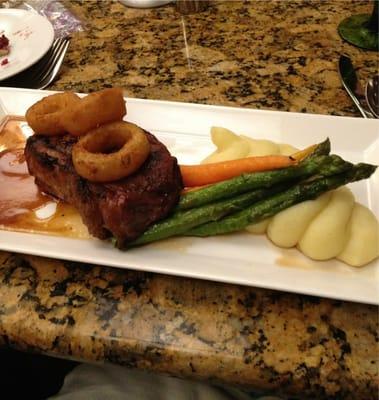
pixel 183 221
pixel 266 208
pixel 322 149
pixel 244 183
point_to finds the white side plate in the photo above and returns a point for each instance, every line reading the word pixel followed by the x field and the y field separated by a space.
pixel 239 258
pixel 30 37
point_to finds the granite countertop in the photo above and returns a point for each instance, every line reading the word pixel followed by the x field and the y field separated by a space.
pixel 272 55
pixel 278 55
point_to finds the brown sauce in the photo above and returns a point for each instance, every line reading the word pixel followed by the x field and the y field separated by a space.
pixel 23 207
pixel 290 258
pixel 13 131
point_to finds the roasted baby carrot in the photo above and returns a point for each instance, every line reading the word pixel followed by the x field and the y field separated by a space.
pixel 204 174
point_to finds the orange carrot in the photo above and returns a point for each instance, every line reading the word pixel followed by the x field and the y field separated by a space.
pixel 204 174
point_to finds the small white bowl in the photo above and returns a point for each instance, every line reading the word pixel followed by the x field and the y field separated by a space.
pixel 144 3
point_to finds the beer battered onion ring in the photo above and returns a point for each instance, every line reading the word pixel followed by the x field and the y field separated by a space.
pixel 95 109
pixel 110 152
pixel 45 116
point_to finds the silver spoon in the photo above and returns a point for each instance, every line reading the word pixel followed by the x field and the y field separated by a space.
pixel 352 85
pixel 372 95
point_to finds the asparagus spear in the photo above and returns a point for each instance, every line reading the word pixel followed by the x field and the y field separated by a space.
pixel 322 149
pixel 312 151
pixel 278 202
pixel 251 181
pixel 182 221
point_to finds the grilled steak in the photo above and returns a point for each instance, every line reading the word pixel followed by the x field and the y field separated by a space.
pixel 123 209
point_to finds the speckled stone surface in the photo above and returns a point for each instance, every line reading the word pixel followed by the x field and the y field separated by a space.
pixel 259 54
pixel 278 55
pixel 288 344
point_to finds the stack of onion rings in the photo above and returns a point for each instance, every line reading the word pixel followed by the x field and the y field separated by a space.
pixel 110 152
pixel 110 148
pixel 67 112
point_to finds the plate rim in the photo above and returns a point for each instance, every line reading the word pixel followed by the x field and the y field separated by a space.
pixel 49 31
pixel 366 121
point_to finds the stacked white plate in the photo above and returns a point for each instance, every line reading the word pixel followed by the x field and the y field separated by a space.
pixel 30 37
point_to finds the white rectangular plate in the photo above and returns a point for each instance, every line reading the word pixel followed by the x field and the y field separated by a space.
pixel 239 258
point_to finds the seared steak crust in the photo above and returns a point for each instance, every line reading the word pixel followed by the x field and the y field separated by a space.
pixel 124 208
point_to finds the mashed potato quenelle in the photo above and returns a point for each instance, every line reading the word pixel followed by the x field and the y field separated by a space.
pixel 332 226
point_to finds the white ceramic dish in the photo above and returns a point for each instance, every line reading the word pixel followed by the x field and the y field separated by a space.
pixel 145 3
pixel 239 258
pixel 30 37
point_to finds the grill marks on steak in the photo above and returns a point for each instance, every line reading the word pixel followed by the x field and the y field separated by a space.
pixel 124 208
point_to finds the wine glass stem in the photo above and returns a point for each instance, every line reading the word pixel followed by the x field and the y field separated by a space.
pixel 374 19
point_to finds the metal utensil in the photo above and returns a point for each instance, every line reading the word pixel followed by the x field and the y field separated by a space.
pixel 42 73
pixel 372 95
pixel 353 87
